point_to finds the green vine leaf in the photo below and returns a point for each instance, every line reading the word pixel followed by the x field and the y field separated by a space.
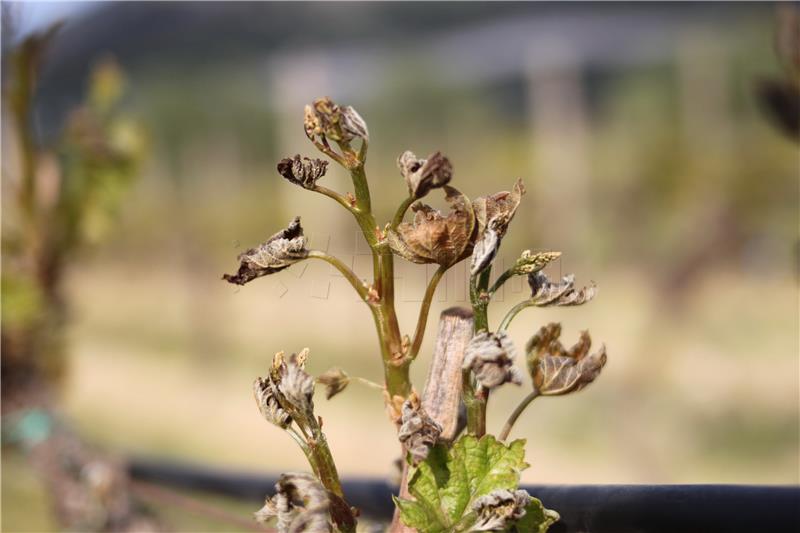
pixel 446 485
pixel 537 519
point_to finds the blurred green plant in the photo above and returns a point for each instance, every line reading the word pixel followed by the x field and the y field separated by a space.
pixel 65 197
pixel 469 483
pixel 59 199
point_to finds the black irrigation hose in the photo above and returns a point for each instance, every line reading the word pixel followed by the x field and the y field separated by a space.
pixel 583 508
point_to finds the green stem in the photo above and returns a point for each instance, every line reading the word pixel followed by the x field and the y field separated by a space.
pixel 475 396
pixel 349 275
pixel 363 212
pixel 517 412
pixel 363 200
pixel 505 276
pixel 419 332
pixel 479 299
pixel 395 365
pixel 306 451
pixel 511 314
pixel 341 200
pixel 475 403
pixel 362 153
pixel 401 211
pixel 328 475
pixel 321 453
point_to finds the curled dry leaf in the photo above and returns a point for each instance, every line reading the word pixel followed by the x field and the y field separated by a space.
pixel 418 431
pixel 286 393
pixel 499 509
pixel 493 214
pixel 546 293
pixel 300 504
pixel 302 171
pixel 490 356
pixel 335 381
pixel 324 119
pixel 433 237
pixel 485 251
pixel 280 251
pixel 292 381
pixel 352 124
pixel 422 175
pixel 268 403
pixel 556 370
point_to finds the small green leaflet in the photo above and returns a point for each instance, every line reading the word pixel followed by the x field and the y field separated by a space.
pixel 447 483
pixel 537 519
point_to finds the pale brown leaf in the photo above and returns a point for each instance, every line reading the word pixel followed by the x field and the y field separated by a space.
pixel 546 293
pixel 433 237
pixel 335 381
pixel 423 175
pixel 493 214
pixel 418 432
pixel 490 356
pixel 556 370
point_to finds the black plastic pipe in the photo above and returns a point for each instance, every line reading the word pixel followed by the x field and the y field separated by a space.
pixel 583 508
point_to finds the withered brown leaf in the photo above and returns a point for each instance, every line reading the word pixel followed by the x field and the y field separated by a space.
pixel 324 118
pixel 423 175
pixel 280 251
pixel 498 209
pixel 335 381
pixel 418 431
pixel 556 370
pixel 300 504
pixel 268 403
pixel 499 509
pixel 546 293
pixel 490 356
pixel 433 237
pixel 493 214
pixel 302 171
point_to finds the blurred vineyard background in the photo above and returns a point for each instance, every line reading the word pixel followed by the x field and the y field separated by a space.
pixel 647 163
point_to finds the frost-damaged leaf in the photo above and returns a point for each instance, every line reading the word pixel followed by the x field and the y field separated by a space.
pixel 300 504
pixel 545 293
pixel 490 356
pixel 499 509
pixel 493 214
pixel 280 251
pixel 537 519
pixel 418 432
pixel 422 175
pixel 302 171
pixel 556 370
pixel 434 238
pixel 327 120
pixel 498 209
pixel 268 403
pixel 485 251
pixel 292 381
pixel 447 484
pixel 286 393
